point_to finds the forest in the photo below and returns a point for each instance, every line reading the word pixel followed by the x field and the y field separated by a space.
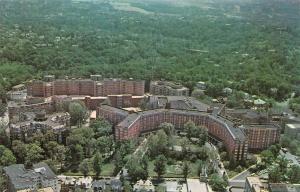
pixel 251 46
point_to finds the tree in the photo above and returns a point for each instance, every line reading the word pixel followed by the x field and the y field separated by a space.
pixel 78 113
pixel 75 154
pixel 51 149
pixel 97 164
pixel 184 146
pixel 6 156
pixel 2 94
pixel 136 170
pixel 4 139
pixel 104 144
pixel 118 161
pixel 223 155
pixel 217 183
pixel 83 137
pixel 275 175
pixel 61 154
pixel 3 180
pixel 162 141
pixel 101 127
pixel 84 167
pixel 144 161
pixel 19 149
pixel 294 174
pixel 168 128
pixel 170 131
pixel 127 186
pixel 282 163
pixel 160 165
pixel 51 164
pixel 267 157
pixel 293 146
pixel 275 149
pixel 185 169
pixel 200 166
pixel 202 135
pixel 285 140
pixel 158 144
pixel 34 154
pixel 190 129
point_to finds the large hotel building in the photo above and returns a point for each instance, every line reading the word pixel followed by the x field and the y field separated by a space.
pixel 238 138
pixel 95 87
pixel 132 125
pixel 239 131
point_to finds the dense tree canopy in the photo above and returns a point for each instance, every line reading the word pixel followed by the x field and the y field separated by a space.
pixel 6 156
pixel 226 45
pixel 78 113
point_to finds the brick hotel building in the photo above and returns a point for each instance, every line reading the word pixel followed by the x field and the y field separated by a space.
pixel 95 87
pixel 238 137
pixel 134 124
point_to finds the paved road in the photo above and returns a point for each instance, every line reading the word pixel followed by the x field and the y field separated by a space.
pixel 237 183
pixel 241 176
pixel 240 179
pixel 236 190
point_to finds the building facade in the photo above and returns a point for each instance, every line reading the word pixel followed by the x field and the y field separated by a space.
pixel 111 114
pixel 261 136
pixel 132 125
pixel 89 87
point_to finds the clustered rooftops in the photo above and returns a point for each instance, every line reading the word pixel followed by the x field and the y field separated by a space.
pixel 97 77
pixel 170 84
pixel 23 178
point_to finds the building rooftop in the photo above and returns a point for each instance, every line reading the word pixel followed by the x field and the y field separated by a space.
pixel 256 184
pixel 130 119
pixel 169 84
pixel 236 132
pixel 51 120
pixel 260 126
pixel 282 187
pixel 293 126
pixel 195 185
pixel 23 178
pixel 114 109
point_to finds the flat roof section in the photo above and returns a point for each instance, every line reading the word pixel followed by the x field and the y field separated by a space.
pixel 194 185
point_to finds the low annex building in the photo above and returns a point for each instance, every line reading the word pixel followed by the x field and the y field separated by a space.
pixel 31 123
pixel 39 177
pixel 168 88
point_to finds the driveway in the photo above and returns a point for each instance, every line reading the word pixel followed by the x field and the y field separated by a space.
pixel 240 179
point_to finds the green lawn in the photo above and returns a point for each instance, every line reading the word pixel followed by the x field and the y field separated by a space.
pixel 107 170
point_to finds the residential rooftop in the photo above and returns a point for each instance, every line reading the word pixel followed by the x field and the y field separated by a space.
pixel 23 178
